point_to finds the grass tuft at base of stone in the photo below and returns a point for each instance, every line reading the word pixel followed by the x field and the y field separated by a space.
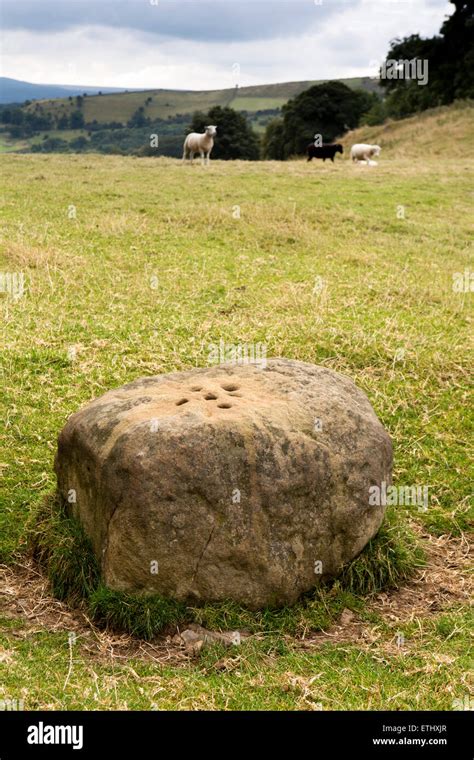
pixel 60 547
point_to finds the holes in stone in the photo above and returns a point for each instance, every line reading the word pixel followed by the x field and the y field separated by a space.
pixel 230 387
pixel 224 405
pixel 182 401
pixel 196 388
pixel 210 396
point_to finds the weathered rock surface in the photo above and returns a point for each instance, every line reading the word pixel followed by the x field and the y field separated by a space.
pixel 229 482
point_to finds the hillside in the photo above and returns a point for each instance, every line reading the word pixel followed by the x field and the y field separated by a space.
pixel 165 104
pixel 426 133
pixel 447 131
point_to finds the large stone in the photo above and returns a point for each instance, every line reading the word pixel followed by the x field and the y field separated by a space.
pixel 229 482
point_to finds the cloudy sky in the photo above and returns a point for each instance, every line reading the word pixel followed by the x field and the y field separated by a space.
pixel 201 44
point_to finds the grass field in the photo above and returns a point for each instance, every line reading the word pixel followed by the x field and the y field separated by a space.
pixel 11 145
pixel 133 267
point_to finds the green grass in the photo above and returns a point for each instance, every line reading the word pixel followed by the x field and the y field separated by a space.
pixel 59 545
pixel 63 134
pixel 241 103
pixel 387 316
pixel 10 144
pixel 429 672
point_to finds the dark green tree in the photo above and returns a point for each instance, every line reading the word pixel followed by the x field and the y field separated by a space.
pixel 138 119
pixel 79 144
pixel 235 138
pixel 450 60
pixel 376 114
pixel 273 141
pixel 13 116
pixel 63 122
pixel 456 71
pixel 76 120
pixel 328 109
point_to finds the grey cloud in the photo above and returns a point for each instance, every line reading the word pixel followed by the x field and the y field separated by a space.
pixel 199 20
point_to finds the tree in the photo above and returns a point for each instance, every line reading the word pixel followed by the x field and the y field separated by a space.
pixel 273 141
pixel 235 138
pixel 76 120
pixel 457 70
pixel 63 122
pixel 376 114
pixel 36 122
pixel 327 109
pixel 13 116
pixel 79 143
pixel 449 57
pixel 138 119
pixel 51 145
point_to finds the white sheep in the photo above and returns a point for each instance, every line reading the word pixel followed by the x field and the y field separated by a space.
pixel 364 152
pixel 200 143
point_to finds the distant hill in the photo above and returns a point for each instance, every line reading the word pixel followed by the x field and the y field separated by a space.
pixel 164 104
pixel 16 91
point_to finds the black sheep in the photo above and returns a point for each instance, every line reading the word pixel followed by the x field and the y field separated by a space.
pixel 324 151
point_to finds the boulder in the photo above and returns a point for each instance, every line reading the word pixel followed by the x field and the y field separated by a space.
pixel 236 482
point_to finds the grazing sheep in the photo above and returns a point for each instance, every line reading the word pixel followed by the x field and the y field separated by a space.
pixel 324 151
pixel 363 152
pixel 200 143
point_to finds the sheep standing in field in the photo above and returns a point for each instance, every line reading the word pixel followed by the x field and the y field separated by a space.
pixel 324 151
pixel 363 152
pixel 200 143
